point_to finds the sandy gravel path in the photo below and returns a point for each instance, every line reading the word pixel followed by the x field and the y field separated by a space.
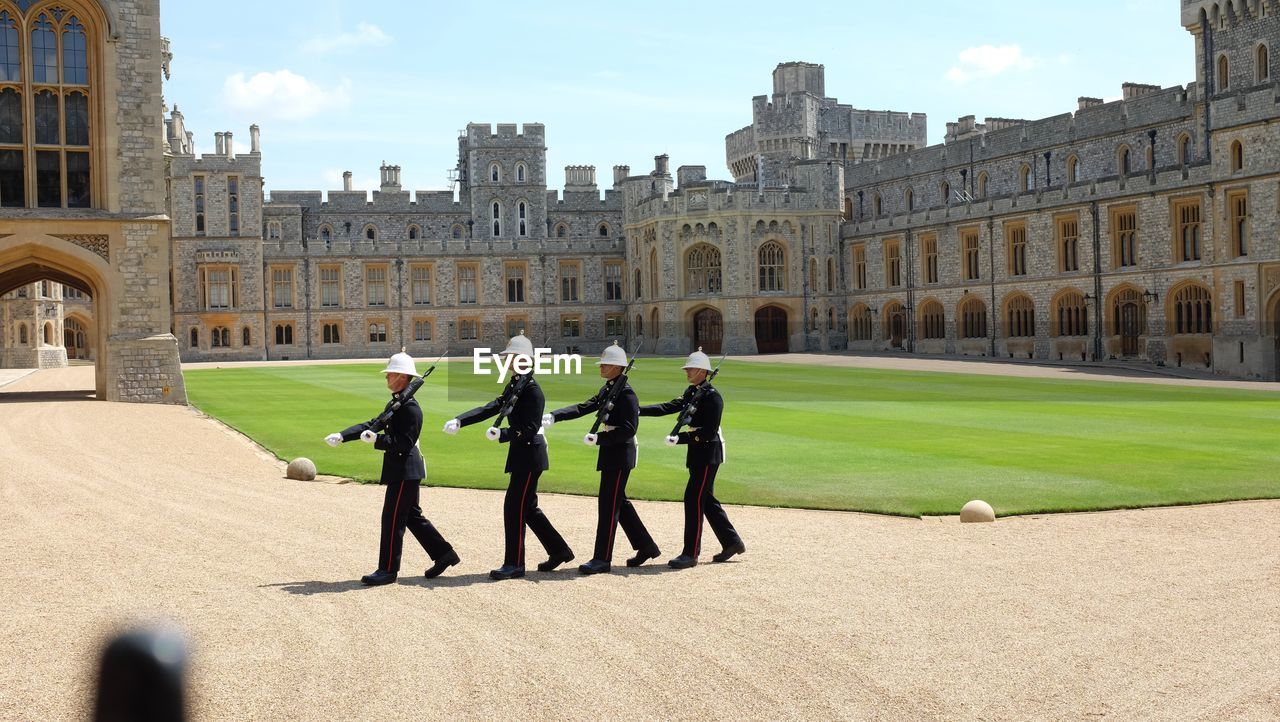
pixel 111 513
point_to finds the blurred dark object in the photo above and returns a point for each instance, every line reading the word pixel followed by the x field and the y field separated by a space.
pixel 141 679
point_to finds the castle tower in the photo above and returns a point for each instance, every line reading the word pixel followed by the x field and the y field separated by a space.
pixel 502 173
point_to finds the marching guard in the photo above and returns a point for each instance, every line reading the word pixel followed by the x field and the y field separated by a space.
pixel 700 408
pixel 402 472
pixel 619 411
pixel 521 403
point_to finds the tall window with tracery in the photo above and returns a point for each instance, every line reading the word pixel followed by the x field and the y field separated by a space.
pixel 772 267
pixel 703 262
pixel 45 97
pixel 1193 310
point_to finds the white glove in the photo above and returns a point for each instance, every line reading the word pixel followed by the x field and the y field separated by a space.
pixel 547 421
pixel 671 440
pixel 451 426
pixel 333 440
pixel 590 439
pixel 492 433
pixel 368 436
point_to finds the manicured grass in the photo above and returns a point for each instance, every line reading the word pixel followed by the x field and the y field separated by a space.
pixel 893 442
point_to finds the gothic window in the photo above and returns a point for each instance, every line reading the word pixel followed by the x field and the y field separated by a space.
pixel 1184 149
pixel 421 330
pixel 1224 74
pixel 1192 310
pixel 1070 315
pixel 1262 62
pixel 331 333
pixel 1024 178
pixel 973 317
pixel 195 337
pixel 1237 156
pixel 1073 164
pixel 1124 162
pixel 1068 231
pixel 982 184
pixel 497 219
pixel 220 337
pixel 933 320
pixel 703 264
pixel 326 233
pixel 273 230
pixel 371 233
pixel 561 230
pixel 233 205
pixel 637 284
pixel 245 337
pixel 772 261
pixel 520 172
pixel 456 232
pixel 603 230
pixel 495 172
pixel 377 333
pixel 522 213
pixel 1186 219
pixel 284 334
pixel 860 323
pixel 414 233
pixel 1022 317
pixel 45 138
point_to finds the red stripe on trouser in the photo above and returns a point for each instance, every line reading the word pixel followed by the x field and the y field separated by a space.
pixel 613 519
pixel 697 537
pixel 395 514
pixel 520 526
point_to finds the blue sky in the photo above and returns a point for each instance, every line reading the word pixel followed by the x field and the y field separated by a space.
pixel 338 85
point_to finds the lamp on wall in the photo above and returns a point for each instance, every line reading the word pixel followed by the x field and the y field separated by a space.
pixel 1149 297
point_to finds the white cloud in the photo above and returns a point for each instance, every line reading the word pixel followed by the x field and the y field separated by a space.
pixel 988 61
pixel 283 94
pixel 364 34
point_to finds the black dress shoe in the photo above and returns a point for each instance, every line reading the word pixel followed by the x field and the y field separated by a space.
pixel 595 566
pixel 555 561
pixel 378 578
pixel 684 561
pixel 507 572
pixel 442 564
pixel 729 552
pixel 643 556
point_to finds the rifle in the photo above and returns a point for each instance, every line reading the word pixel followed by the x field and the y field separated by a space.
pixel 513 397
pixel 401 398
pixel 619 382
pixel 691 408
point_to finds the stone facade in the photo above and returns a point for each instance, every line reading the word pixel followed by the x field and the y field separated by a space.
pixel 1096 204
pixel 115 250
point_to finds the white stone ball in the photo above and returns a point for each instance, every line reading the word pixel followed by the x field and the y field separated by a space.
pixel 977 511
pixel 302 469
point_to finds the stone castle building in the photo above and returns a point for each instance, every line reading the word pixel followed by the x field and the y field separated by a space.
pixel 82 194
pixel 1143 229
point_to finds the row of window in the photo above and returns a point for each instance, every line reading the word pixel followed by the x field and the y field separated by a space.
pixel 414 232
pixel 1187 243
pixel 1124 168
pixel 233 205
pixel 219 285
pixel 1261 67
pixel 331 332
pixel 1190 311
pixel 496 173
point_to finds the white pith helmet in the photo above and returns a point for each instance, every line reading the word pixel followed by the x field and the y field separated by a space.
pixel 614 355
pixel 401 363
pixel 698 360
pixel 519 345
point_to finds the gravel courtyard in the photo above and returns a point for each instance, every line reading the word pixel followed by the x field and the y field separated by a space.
pixel 112 514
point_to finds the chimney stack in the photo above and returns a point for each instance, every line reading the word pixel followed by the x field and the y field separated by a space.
pixel 219 143
pixel 346 180
pixel 230 147
pixel 255 139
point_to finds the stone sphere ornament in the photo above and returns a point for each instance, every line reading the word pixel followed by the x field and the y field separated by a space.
pixel 302 469
pixel 977 511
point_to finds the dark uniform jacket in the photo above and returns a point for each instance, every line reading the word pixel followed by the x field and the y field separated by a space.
pixel 401 460
pixel 703 436
pixel 527 450
pixel 617 436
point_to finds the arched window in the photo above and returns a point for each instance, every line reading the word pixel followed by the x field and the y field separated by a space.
pixel 831 319
pixel 495 172
pixel 371 233
pixel 944 192
pixel 1024 178
pixel 860 323
pixel 1124 160
pixel 1237 156
pixel 220 337
pixel 245 337
pixel 520 171
pixel 48 333
pixel 909 199
pixel 1224 74
pixel 973 318
pixel 1021 314
pixel 1262 63
pixel 195 337
pixel 772 267
pixel 703 264
pixel 1192 310
pixel 982 184
pixel 561 230
pixel 813 275
pixel 653 277
pixel 414 233
pixel 603 230
pixel 1184 149
pixel 637 284
pixel 813 321
pixel 456 231
pixel 1130 299
pixel 1070 315
pixel 377 333
pixel 848 209
pixel 653 323
pixel 878 204
pixel 1073 164
pixel 45 136
pixel 831 274
pixel 326 233
pixel 284 334
pixel 933 320
pixel 522 215
pixel 497 219
pixel 639 324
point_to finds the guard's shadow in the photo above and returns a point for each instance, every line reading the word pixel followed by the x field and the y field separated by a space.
pixel 564 574
pixel 309 588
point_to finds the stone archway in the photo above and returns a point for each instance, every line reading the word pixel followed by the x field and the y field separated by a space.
pixel 137 359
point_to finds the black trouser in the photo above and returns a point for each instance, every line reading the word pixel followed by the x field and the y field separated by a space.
pixel 400 510
pixel 520 509
pixel 700 501
pixel 615 508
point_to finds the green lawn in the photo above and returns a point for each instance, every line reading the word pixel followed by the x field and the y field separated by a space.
pixel 892 442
